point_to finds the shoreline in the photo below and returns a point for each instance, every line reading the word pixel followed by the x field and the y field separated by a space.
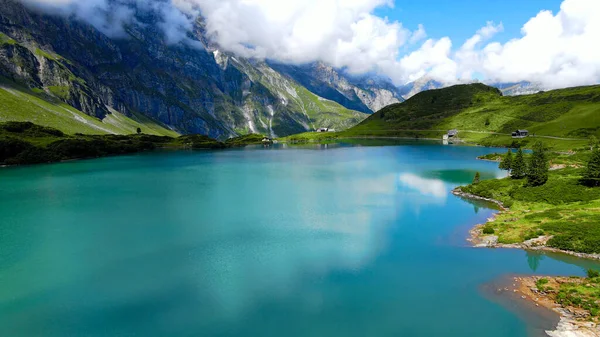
pixel 520 294
pixel 158 149
pixel 480 240
pixel 320 141
pixel 570 322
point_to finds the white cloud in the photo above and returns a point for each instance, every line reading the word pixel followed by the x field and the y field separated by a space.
pixel 418 34
pixel 341 33
pixel 432 59
pixel 555 49
pixel 467 58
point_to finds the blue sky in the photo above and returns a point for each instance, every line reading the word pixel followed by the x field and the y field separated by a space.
pixel 460 19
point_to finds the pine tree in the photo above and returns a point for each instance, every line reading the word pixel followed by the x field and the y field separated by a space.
pixel 591 176
pixel 507 161
pixel 519 169
pixel 537 173
pixel 477 178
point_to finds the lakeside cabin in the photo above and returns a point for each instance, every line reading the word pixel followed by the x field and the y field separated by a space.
pixel 520 134
pixel 452 133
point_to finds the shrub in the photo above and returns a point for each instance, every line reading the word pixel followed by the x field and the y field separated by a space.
pixel 488 230
pixel 10 147
pixel 533 234
pixel 591 273
pixel 541 283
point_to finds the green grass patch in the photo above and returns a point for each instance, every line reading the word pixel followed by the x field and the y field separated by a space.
pixel 484 116
pixel 20 104
pixel 6 40
pixel 562 208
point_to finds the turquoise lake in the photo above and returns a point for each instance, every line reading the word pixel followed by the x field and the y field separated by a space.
pixel 330 240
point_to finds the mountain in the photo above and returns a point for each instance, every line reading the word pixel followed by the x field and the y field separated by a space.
pixel 186 88
pixel 565 117
pixel 422 84
pixel 367 93
pixel 518 88
pixel 508 89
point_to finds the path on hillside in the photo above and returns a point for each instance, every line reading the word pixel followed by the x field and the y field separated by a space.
pixel 488 133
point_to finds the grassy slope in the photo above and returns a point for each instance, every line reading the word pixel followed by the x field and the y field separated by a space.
pixel 562 208
pixel 485 117
pixel 21 105
pixel 318 112
pixel 326 113
pixel 27 143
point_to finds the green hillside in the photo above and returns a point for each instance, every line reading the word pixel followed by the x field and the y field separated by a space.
pixel 23 105
pixel 23 143
pixel 563 119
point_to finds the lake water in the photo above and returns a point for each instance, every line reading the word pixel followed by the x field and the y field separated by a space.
pixel 332 240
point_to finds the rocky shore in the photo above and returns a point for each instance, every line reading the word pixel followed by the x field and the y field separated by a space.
pixel 459 193
pixel 480 240
pixel 574 321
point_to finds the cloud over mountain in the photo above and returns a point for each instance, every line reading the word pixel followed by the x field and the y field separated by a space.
pixel 555 49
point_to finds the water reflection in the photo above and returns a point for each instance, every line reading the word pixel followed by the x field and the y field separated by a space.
pixel 248 243
pixel 429 187
pixel 533 259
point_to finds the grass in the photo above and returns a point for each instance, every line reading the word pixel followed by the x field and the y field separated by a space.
pixel 27 143
pixel 24 105
pixel 492 157
pixel 251 139
pixel 483 116
pixel 24 143
pixel 6 40
pixel 561 208
pixel 576 292
pixel 325 113
pixel 302 110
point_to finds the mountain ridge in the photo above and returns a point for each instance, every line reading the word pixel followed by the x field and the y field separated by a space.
pixel 563 118
pixel 187 89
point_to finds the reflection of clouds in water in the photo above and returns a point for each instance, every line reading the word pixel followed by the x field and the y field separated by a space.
pixel 336 224
pixel 429 187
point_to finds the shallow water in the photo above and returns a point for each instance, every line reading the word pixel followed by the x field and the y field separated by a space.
pixel 336 240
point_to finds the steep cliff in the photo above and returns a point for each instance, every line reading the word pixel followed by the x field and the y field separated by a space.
pixel 366 93
pixel 190 87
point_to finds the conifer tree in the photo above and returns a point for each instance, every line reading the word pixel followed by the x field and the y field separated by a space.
pixel 537 173
pixel 477 178
pixel 519 168
pixel 591 176
pixel 506 163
